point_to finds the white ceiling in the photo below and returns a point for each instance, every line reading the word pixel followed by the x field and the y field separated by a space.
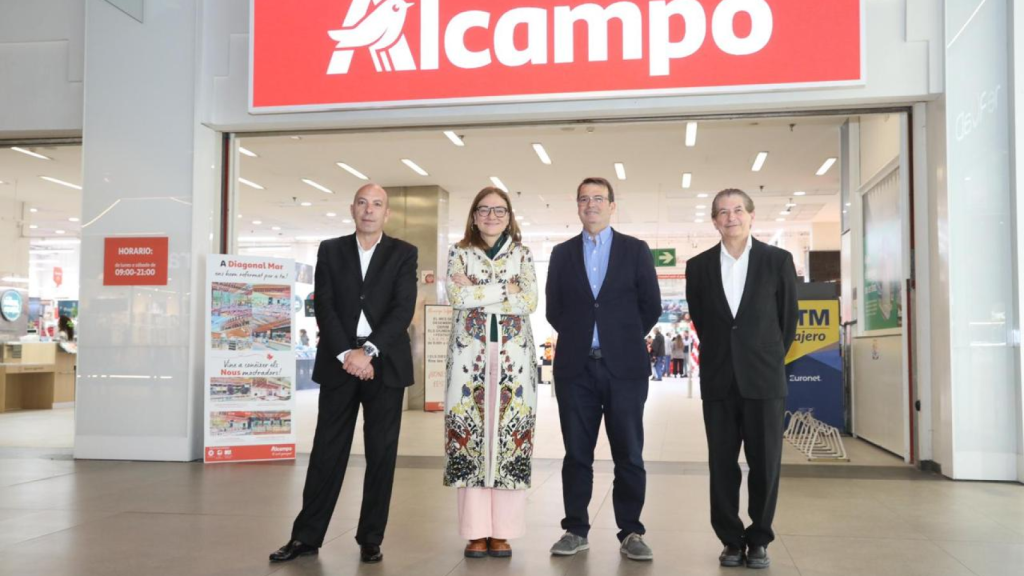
pixel 651 201
pixel 55 204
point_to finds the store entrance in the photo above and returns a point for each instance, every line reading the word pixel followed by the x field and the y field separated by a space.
pixel 40 224
pixel 811 196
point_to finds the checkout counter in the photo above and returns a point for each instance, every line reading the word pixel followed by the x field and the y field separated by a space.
pixel 37 375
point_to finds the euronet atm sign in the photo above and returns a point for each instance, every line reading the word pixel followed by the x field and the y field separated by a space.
pixel 337 54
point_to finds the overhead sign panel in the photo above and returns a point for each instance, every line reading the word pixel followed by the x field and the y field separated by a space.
pixel 338 54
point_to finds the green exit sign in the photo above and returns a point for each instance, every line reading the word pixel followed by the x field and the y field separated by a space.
pixel 664 257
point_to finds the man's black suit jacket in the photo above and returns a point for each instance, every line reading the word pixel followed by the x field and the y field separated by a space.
pixel 752 346
pixel 658 346
pixel 626 308
pixel 387 296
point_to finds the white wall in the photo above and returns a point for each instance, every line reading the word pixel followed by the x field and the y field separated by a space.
pixel 879 143
pixel 42 59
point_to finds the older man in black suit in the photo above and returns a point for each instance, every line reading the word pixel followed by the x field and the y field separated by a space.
pixel 742 297
pixel 602 299
pixel 365 297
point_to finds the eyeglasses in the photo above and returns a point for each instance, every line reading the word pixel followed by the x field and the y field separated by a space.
pixel 498 211
pixel 584 200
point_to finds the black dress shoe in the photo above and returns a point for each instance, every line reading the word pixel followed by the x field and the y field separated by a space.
pixel 731 556
pixel 757 557
pixel 293 550
pixel 370 553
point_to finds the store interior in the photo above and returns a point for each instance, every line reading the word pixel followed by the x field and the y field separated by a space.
pixel 292 191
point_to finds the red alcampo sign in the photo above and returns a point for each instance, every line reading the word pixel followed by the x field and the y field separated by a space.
pixel 334 54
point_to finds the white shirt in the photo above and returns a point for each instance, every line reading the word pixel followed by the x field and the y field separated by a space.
pixel 734 275
pixel 365 256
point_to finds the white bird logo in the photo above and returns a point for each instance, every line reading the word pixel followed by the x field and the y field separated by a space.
pixel 380 30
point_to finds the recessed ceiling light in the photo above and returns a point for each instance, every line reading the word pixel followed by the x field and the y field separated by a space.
pixel 72 219
pixel 352 171
pixel 780 219
pixel 499 184
pixel 759 161
pixel 620 170
pixel 248 152
pixel 239 215
pixel 251 184
pixel 306 204
pixel 296 137
pixel 32 226
pixel 702 195
pixel 455 138
pixel 691 134
pixel 784 213
pixel 699 221
pixel 687 177
pixel 790 204
pixel 701 214
pixel 825 166
pixel 275 228
pixel 799 193
pixel 414 167
pixel 331 214
pixel 257 222
pixel 61 182
pixel 33 210
pixel 346 221
pixel 59 231
pixel 701 206
pixel 541 153
pixel 848 204
pixel 318 186
pixel 30 153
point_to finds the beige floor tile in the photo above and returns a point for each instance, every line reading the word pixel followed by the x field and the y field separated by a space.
pixel 821 556
pixel 987 559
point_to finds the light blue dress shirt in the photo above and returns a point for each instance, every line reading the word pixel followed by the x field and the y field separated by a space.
pixel 596 252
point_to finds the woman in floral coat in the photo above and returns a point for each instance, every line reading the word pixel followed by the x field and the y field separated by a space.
pixel 491 392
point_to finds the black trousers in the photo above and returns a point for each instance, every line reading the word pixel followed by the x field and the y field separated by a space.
pixel 758 425
pixel 332 444
pixel 582 401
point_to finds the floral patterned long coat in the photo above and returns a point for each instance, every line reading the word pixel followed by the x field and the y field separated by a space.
pixel 469 460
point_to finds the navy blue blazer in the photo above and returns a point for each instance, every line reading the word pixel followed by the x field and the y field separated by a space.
pixel 626 309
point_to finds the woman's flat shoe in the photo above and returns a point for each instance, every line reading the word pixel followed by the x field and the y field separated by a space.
pixel 476 548
pixel 499 548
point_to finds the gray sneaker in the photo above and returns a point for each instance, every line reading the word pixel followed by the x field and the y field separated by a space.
pixel 569 544
pixel 634 548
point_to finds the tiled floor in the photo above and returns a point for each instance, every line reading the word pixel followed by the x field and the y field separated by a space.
pixel 61 517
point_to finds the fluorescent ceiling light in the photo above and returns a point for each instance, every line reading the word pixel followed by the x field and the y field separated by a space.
pixel 701 214
pixel 275 228
pixel 59 231
pixel 701 206
pixel 702 195
pixel 318 186
pixel 306 204
pixel 30 153
pixel 72 219
pixel 691 134
pixel 825 166
pixel 32 226
pixel 620 170
pixel 848 204
pixel 15 279
pixel 248 152
pixel 526 224
pixel 698 221
pixel 499 184
pixel 257 222
pixel 454 138
pixel 296 137
pixel 33 210
pixel 347 221
pixel 799 193
pixel 61 182
pixel 331 214
pixel 780 219
pixel 790 204
pixel 414 167
pixel 352 171
pixel 759 161
pixel 541 153
pixel 687 177
pixel 784 213
pixel 251 184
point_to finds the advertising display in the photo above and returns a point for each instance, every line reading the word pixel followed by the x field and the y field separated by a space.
pixel 883 241
pixel 814 366
pixel 336 54
pixel 135 261
pixel 250 362
pixel 438 329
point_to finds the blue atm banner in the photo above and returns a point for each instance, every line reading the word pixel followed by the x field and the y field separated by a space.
pixel 814 366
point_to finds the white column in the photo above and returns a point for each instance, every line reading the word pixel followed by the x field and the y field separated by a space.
pixel 149 169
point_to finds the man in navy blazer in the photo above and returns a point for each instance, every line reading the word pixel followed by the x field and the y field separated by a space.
pixel 602 299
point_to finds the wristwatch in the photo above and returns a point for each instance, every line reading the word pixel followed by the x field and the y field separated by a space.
pixel 370 349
